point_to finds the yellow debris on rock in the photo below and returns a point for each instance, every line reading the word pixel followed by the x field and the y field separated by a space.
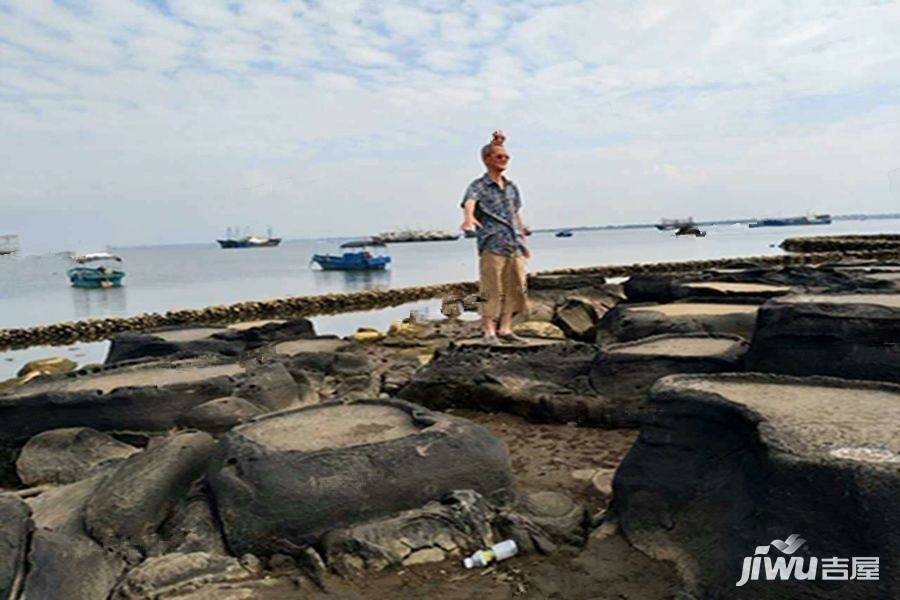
pixel 540 329
pixel 47 366
pixel 367 335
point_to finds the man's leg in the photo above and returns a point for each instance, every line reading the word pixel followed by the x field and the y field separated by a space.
pixel 490 267
pixel 515 283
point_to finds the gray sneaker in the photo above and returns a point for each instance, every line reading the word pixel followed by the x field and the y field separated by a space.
pixel 491 340
pixel 511 338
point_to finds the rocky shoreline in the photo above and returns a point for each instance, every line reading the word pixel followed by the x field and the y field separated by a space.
pixel 647 438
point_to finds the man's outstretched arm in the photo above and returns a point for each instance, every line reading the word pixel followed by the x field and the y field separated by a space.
pixel 469 221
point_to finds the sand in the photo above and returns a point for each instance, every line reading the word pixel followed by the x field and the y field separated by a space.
pixel 887 300
pixel 697 308
pixel 739 288
pixel 298 346
pixel 332 427
pixel 679 346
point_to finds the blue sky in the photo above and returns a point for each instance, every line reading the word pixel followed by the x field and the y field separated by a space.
pixel 159 121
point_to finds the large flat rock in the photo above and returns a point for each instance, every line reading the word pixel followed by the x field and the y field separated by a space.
pixel 545 382
pixel 626 323
pixel 853 336
pixel 727 463
pixel 139 397
pixel 624 372
pixel 751 282
pixel 284 480
pixel 183 342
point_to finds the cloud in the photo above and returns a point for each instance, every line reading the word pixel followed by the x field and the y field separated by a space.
pixel 129 105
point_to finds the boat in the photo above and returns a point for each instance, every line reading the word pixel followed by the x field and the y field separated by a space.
pixel 105 275
pixel 672 224
pixel 397 237
pixel 690 230
pixel 806 220
pixel 9 244
pixel 248 241
pixel 564 233
pixel 363 257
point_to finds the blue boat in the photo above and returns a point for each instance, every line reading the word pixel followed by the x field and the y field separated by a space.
pixel 362 259
pixel 105 275
pixel 564 233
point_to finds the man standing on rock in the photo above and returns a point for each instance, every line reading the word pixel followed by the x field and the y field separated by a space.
pixel 492 207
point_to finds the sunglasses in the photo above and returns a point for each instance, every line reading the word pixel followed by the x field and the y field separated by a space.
pixel 503 156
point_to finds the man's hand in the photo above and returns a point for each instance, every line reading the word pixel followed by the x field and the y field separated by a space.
pixel 497 138
pixel 470 224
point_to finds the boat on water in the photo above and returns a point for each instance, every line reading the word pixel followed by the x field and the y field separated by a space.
pixel 248 241
pixel 364 255
pixel 105 274
pixel 690 230
pixel 564 233
pixel 9 244
pixel 806 220
pixel 674 224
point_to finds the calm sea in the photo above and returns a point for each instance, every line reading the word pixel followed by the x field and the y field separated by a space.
pixel 35 290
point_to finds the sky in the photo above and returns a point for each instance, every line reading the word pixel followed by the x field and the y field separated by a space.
pixel 129 122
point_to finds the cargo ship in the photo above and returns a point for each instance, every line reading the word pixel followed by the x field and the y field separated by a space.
pixel 248 241
pixel 807 220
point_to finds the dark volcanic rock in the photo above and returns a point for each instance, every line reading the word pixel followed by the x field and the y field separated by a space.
pixel 143 397
pixel 197 341
pixel 127 508
pixel 191 526
pixel 543 382
pixel 628 322
pixel 624 372
pixel 748 283
pixel 285 479
pixel 67 455
pixel 565 281
pixel 579 314
pixel 457 524
pixel 15 526
pixel 334 368
pixel 728 463
pixel 220 415
pixel 63 562
pixel 171 574
pixel 855 336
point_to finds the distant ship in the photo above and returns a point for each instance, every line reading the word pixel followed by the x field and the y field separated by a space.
pixel 248 241
pixel 9 244
pixel 670 224
pixel 396 237
pixel 813 220
pixel 564 233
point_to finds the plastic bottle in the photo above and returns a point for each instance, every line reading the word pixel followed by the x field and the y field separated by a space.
pixel 495 553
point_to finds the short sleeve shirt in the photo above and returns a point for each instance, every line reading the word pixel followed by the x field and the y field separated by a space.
pixel 496 209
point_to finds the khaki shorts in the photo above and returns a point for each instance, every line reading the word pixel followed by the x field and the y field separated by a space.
pixel 503 284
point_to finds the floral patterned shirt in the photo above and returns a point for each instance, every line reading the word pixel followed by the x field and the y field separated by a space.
pixel 496 210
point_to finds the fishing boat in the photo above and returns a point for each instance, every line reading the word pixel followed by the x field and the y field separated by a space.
pixel 674 224
pixel 248 241
pixel 564 233
pixel 105 274
pixel 365 255
pixel 9 244
pixel 690 230
pixel 806 220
